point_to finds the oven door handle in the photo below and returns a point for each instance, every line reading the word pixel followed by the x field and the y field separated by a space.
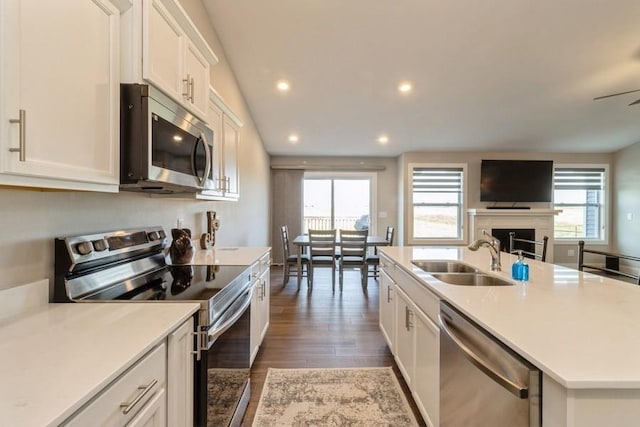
pixel 236 310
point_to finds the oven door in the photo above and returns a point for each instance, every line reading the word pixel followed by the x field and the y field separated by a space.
pixel 222 373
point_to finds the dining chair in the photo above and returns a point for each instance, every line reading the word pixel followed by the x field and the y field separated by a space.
pixel 530 248
pixel 374 259
pixel 353 253
pixel 322 253
pixel 290 261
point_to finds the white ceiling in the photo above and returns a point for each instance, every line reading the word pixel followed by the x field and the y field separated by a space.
pixel 491 75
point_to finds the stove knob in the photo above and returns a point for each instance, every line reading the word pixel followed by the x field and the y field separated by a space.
pixel 84 248
pixel 100 245
pixel 154 235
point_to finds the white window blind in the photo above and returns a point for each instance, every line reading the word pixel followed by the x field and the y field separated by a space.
pixel 580 193
pixel 437 202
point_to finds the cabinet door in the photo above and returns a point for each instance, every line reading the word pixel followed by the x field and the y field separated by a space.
pixel 426 380
pixel 265 282
pixel 180 375
pixel 256 315
pixel 162 50
pixel 196 73
pixel 231 171
pixel 214 117
pixel 153 414
pixel 60 68
pixel 386 308
pixel 404 335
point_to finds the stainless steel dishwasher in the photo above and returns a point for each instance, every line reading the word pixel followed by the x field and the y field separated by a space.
pixel 482 381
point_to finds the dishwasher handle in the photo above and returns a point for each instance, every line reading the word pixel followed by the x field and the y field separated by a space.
pixel 520 391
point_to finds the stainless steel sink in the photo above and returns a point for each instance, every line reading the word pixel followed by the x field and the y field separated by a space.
pixel 444 266
pixel 471 279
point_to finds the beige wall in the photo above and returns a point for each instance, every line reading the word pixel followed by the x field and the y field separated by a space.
pixel 30 219
pixel 473 160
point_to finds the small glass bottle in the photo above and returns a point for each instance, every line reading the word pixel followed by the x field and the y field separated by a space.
pixel 520 269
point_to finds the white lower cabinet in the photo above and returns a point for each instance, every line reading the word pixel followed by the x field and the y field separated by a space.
pixel 157 391
pixel 260 310
pixel 138 397
pixel 404 335
pixel 417 342
pixel 426 378
pixel 386 309
pixel 180 369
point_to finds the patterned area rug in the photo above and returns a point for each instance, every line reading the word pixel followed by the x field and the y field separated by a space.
pixel 333 397
pixel 224 387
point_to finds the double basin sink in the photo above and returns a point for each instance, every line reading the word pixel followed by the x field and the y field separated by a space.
pixel 459 273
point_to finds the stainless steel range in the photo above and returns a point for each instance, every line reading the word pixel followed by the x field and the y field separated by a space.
pixel 129 265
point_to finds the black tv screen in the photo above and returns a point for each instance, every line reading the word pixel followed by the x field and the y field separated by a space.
pixel 516 181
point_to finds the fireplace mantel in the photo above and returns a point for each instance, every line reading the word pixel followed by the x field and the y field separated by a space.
pixel 541 220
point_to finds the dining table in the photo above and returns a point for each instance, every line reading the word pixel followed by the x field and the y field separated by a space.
pixel 302 241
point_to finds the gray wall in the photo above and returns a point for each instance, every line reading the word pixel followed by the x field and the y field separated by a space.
pixel 387 180
pixel 473 160
pixel 626 201
pixel 30 219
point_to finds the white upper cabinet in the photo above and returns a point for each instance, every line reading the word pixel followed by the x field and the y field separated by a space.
pixel 59 79
pixel 162 46
pixel 226 140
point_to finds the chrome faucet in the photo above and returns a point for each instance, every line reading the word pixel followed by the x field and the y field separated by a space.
pixel 494 248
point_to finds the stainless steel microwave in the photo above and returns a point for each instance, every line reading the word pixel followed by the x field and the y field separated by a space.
pixel 163 147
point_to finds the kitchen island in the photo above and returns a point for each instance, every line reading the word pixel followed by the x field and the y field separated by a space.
pixel 581 330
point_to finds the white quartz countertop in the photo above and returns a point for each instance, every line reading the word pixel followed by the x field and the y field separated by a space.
pixel 581 329
pixel 239 255
pixel 55 358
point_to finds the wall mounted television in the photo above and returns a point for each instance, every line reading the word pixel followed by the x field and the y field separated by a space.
pixel 516 181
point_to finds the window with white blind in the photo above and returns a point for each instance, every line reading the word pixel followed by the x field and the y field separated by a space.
pixel 580 192
pixel 437 203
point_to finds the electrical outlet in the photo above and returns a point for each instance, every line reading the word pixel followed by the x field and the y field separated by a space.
pixel 180 223
pixel 629 216
pixel 571 252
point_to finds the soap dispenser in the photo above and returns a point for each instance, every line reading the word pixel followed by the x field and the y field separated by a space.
pixel 520 269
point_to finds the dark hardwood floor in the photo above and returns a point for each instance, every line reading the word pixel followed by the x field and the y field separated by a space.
pixel 321 329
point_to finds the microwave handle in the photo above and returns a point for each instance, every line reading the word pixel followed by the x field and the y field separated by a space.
pixel 207 156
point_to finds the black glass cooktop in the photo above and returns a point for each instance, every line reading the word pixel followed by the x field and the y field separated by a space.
pixel 174 283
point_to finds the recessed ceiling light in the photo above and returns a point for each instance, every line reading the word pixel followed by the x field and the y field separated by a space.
pixel 283 85
pixel 383 139
pixel 294 138
pixel 405 87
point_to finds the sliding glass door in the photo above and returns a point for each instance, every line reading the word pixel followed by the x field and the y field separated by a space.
pixel 340 201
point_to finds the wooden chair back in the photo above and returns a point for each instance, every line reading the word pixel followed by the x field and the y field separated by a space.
pixel 389 235
pixel 606 270
pixel 322 243
pixel 284 234
pixel 353 245
pixel 539 247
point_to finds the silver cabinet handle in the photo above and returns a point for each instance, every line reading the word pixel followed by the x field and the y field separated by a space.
pixel 227 185
pixel 407 318
pixel 388 294
pixel 145 389
pixel 191 81
pixel 186 87
pixel 22 149
pixel 518 390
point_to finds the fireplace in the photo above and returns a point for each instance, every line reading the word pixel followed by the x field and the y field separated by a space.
pixel 530 224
